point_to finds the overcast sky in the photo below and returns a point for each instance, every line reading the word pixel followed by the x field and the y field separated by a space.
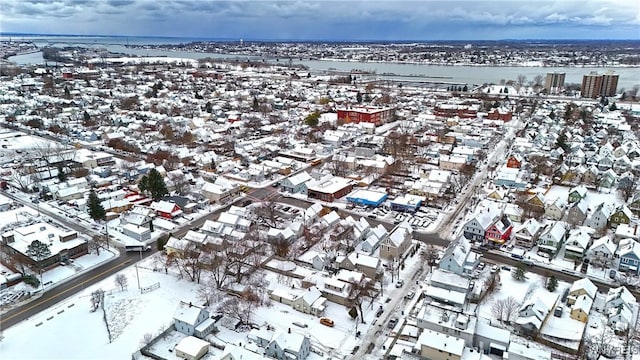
pixel 328 20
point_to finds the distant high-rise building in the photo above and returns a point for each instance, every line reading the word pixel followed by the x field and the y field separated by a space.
pixel 595 85
pixel 554 82
pixel 609 84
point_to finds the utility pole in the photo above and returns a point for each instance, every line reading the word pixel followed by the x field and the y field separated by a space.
pixel 137 273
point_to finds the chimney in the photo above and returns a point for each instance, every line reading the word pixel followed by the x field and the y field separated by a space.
pixel 289 330
pixel 635 230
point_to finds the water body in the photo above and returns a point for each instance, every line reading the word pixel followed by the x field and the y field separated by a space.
pixel 629 76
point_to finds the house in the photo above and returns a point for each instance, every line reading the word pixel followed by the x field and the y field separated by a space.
pixel 368 265
pixel 577 213
pixel 629 255
pixel 621 215
pixel 374 239
pixel 554 209
pixel 193 320
pixel 191 348
pixel 397 243
pixel 577 242
pixel 552 238
pixel 312 213
pixel 166 209
pixel 491 339
pixel 235 352
pixel 514 161
pixel 577 193
pixel 221 191
pixel 288 346
pixel 513 212
pixel 458 257
pixel 296 184
pixel 534 311
pixel 619 296
pixel 581 307
pixel 599 218
pixel 309 301
pixel 447 320
pixel 619 305
pixel 634 203
pixel 602 251
pixel 536 201
pixel 581 287
pixel 434 345
pixel 608 179
pixel 499 232
pixel 137 232
pixel 527 233
pixel 475 229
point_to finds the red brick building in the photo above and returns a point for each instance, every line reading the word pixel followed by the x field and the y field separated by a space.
pixel 453 110
pixel 368 114
pixel 500 114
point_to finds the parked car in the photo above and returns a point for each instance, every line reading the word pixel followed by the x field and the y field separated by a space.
pixel 379 312
pixel 392 323
pixel 400 283
pixel 481 266
pixel 326 322
pixel 410 295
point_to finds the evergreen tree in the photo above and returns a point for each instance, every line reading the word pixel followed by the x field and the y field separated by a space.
pixel 86 116
pixel 143 185
pixel 613 107
pixel 519 273
pixel 96 211
pixel 552 283
pixel 465 88
pixel 359 97
pixel 62 176
pixel 312 119
pixel 552 115
pixel 156 185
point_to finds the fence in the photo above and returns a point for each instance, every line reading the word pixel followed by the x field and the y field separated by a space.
pixel 149 288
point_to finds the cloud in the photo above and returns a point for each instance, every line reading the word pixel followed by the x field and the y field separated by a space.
pixel 315 19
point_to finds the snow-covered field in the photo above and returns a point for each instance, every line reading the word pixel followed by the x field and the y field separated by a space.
pixel 131 315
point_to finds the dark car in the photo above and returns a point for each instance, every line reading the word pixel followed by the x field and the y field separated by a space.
pixel 392 323
pixel 379 312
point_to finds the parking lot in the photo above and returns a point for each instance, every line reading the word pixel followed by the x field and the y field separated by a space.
pixel 419 219
pixel 9 296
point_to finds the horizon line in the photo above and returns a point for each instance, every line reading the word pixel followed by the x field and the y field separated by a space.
pixel 3 33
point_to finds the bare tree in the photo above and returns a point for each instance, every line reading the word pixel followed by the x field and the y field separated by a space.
pixel 146 339
pixel 598 345
pixel 97 298
pixel 121 280
pixel 21 181
pixel 241 307
pixel 430 255
pixel 179 182
pixel 45 151
pixel 208 292
pixel 627 189
pixel 361 289
pixel 189 260
pixel 98 242
pixel 520 80
pixel 268 212
pixel 505 310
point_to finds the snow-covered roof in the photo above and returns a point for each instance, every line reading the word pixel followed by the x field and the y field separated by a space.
pixel 584 284
pixel 191 345
pixel 187 313
pixel 441 342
